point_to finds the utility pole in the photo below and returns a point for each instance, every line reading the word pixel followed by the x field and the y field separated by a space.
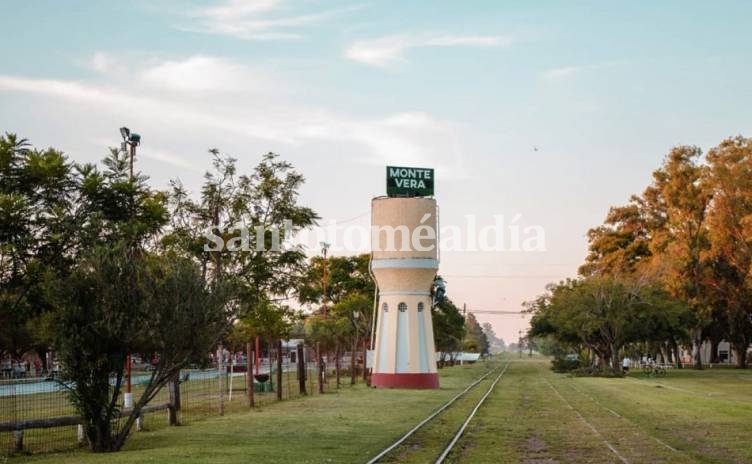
pixel 325 278
pixel 519 342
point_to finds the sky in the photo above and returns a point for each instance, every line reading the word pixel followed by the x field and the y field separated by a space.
pixel 550 110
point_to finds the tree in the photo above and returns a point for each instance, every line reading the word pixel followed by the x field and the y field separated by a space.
pixel 345 276
pixel 496 345
pixel 448 328
pixel 238 232
pixel 730 236
pixel 253 216
pixel 475 340
pixel 662 236
pixel 622 243
pixel 680 195
pixel 121 300
pixel 38 235
pixel 604 313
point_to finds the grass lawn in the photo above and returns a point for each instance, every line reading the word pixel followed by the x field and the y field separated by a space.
pixel 346 426
pixel 540 417
pixel 534 416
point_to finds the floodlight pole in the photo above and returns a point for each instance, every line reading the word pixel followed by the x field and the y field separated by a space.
pixel 324 248
pixel 131 144
pixel 132 156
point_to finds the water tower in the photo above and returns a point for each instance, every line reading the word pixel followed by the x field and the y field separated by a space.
pixel 404 262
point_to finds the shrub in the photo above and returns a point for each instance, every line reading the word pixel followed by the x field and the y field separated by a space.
pixel 562 365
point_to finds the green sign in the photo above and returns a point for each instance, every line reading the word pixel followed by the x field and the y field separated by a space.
pixel 409 182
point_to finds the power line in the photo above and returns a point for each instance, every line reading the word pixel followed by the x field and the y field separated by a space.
pixel 503 276
pixel 500 312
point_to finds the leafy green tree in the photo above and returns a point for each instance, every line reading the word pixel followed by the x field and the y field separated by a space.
pixel 345 276
pixel 121 300
pixel 605 313
pixel 38 236
pixel 266 200
pixel 448 327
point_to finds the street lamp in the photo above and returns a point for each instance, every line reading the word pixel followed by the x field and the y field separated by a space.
pixel 130 141
pixel 324 248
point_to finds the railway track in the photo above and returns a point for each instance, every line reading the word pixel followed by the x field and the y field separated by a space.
pixel 468 419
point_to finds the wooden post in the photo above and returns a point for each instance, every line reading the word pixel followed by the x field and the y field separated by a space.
pixel 140 423
pixel 301 370
pixel 80 434
pixel 249 374
pixel 279 370
pixel 18 436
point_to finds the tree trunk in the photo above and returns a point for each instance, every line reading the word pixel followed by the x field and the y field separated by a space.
pixel 741 353
pixel 697 350
pixel 669 353
pixel 677 355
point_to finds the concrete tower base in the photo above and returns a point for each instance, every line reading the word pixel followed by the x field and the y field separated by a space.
pixel 416 381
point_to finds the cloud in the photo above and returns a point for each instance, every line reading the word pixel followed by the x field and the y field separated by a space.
pixel 199 73
pixel 566 72
pixel 164 96
pixel 253 20
pixel 103 63
pixel 390 50
pixel 561 73
pixel 167 157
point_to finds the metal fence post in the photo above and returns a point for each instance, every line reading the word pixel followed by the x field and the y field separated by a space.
pixel 249 374
pixel 279 370
pixel 220 371
pixel 301 369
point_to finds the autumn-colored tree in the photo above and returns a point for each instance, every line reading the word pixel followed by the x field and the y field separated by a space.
pixel 730 236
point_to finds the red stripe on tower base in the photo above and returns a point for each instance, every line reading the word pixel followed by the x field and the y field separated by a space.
pixel 413 381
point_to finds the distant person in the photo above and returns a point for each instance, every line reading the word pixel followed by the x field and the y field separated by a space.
pixel 625 363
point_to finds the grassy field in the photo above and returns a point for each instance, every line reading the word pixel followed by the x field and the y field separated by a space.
pixel 533 416
pixel 200 399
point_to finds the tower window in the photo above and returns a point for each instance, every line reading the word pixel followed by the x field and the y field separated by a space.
pixel 402 307
pixel 420 307
pixel 385 307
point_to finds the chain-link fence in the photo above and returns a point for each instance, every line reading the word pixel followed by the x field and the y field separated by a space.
pixel 36 415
